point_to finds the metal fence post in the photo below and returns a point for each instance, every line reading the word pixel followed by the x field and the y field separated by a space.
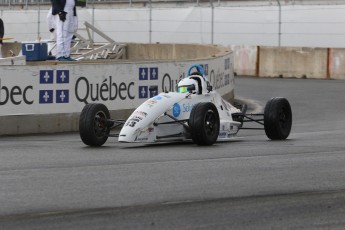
pixel 212 21
pixel 150 25
pixel 93 19
pixel 39 20
pixel 279 23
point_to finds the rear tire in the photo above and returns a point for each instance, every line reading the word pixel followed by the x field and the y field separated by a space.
pixel 204 123
pixel 277 118
pixel 93 127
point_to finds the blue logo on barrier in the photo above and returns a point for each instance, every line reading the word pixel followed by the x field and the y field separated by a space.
pixel 227 63
pixel 226 79
pixel 62 76
pixel 176 110
pixel 46 76
pixel 143 74
pixel 62 96
pixel 154 73
pixel 154 90
pixel 143 91
pixel 46 96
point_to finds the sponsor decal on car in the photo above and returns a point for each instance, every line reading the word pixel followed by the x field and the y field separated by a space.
pixel 187 107
pixel 176 110
pixel 143 134
pixel 140 113
pixel 131 123
pixel 165 95
pixel 150 102
pixel 183 108
pixel 158 98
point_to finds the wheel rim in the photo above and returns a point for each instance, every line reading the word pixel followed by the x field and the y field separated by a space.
pixel 210 123
pixel 283 118
pixel 100 124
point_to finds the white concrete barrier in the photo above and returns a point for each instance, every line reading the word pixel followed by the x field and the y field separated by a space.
pixel 336 64
pixel 44 97
pixel 245 59
pixel 290 62
pixel 293 62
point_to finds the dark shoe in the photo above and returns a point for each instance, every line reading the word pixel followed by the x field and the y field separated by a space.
pixel 70 59
pixel 61 59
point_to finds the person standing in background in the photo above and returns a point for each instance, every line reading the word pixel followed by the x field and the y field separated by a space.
pixel 51 27
pixel 2 32
pixel 65 14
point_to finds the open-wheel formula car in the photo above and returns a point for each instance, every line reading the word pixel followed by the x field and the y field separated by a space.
pixel 195 112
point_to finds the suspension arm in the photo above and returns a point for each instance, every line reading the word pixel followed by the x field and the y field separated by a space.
pixel 181 122
pixel 250 119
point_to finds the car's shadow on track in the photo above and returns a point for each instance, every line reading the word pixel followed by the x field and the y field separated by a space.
pixel 189 144
pixel 139 145
pixel 177 144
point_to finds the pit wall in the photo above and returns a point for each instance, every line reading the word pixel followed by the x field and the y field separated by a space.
pixel 172 51
pixel 47 97
pixel 290 62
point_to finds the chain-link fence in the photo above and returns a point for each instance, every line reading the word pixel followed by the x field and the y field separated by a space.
pixel 27 3
pixel 270 23
pixel 236 2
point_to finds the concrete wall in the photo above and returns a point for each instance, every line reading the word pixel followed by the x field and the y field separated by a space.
pixel 172 51
pixel 298 62
pixel 337 64
pixel 137 51
pixel 10 49
pixel 47 96
pixel 245 59
pixel 293 62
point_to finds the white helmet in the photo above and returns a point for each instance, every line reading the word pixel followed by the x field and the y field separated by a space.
pixel 186 85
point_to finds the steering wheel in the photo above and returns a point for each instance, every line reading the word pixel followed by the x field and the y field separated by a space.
pixel 198 68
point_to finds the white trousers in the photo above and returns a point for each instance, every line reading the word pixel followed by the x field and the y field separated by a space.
pixel 64 33
pixel 51 25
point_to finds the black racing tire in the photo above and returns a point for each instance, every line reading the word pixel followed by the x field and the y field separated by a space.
pixel 204 123
pixel 93 128
pixel 277 118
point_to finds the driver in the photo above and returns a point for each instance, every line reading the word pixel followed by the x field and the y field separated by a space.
pixel 188 85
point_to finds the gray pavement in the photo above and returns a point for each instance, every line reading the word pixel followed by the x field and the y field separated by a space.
pixel 55 182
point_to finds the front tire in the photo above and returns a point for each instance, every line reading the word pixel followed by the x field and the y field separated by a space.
pixel 278 118
pixel 204 123
pixel 93 127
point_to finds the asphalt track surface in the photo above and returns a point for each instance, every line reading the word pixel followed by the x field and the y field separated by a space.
pixel 55 182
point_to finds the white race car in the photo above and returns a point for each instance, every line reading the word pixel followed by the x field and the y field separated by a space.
pixel 195 112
